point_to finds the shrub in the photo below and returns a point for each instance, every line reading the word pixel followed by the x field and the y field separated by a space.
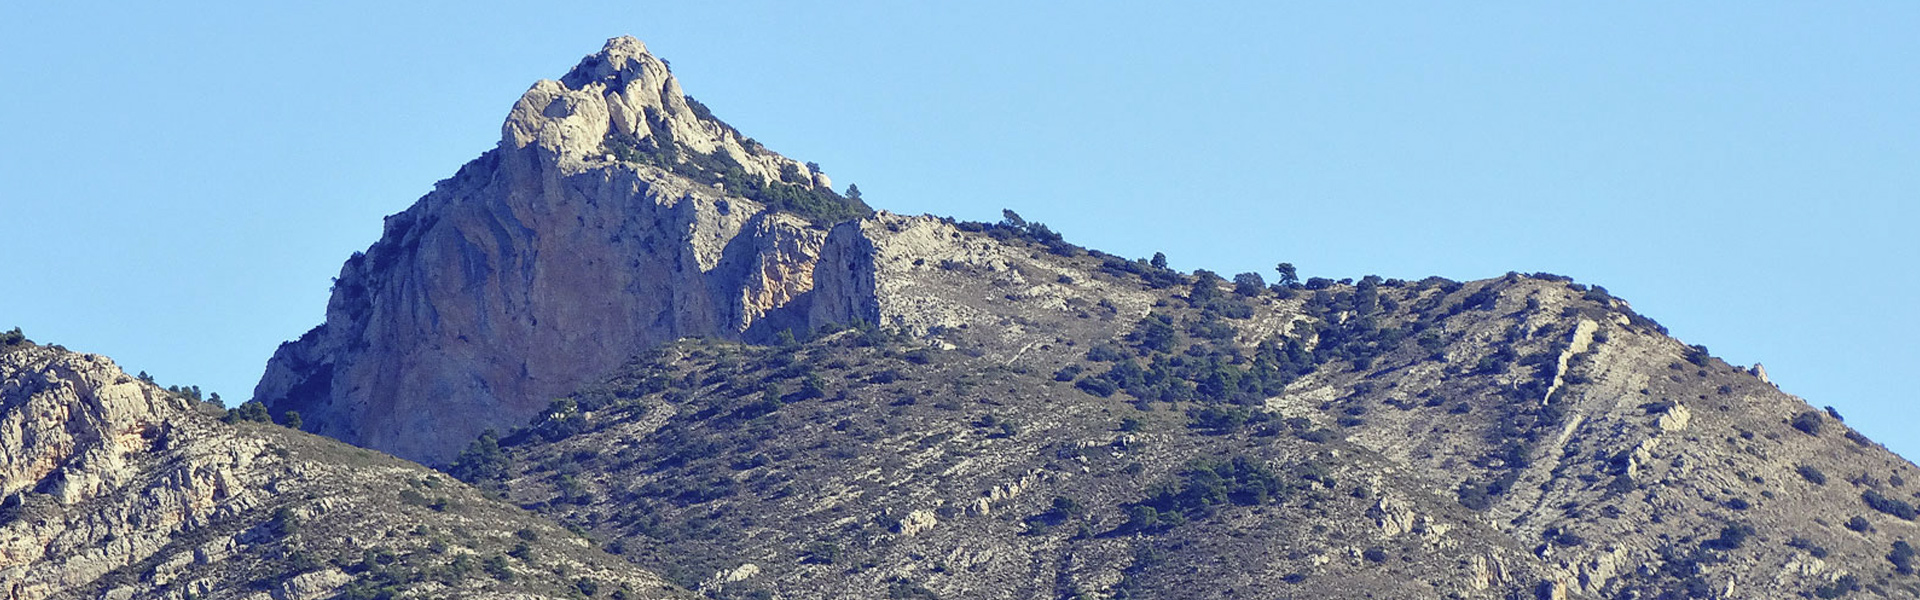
pixel 1846 584
pixel 1474 496
pixel 522 551
pixel 284 523
pixel 1375 554
pixel 496 566
pixel 1805 544
pixel 1812 474
pixel 1205 485
pixel 587 587
pixel 1224 419
pixel 1067 373
pixel 251 410
pixel 1808 422
pixel 1902 557
pixel 1698 355
pixel 1891 506
pixel 1731 537
pixel 1098 386
pixel 483 460
pixel 820 553
pixel 1106 353
pixel 10 509
pixel 12 338
pixel 1859 524
pixel 1249 284
pixel 1858 439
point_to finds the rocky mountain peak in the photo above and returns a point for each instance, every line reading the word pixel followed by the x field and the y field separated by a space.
pixel 623 104
pixel 616 214
pixel 622 60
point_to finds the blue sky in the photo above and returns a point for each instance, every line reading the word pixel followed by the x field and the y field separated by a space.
pixel 181 182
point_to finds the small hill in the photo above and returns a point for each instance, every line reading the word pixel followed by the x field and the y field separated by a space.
pixel 115 488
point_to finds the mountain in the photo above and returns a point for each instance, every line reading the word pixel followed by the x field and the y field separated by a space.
pixel 114 488
pixel 684 362
pixel 613 216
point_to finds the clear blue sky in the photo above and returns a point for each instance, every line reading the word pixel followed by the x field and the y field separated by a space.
pixel 181 180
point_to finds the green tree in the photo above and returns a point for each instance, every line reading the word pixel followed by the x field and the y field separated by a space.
pixel 483 460
pixel 292 420
pixel 1159 260
pixel 1288 275
pixel 251 410
pixel 1012 219
pixel 1249 284
pixel 853 192
pixel 1204 289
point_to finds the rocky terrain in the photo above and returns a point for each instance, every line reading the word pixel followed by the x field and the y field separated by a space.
pixel 115 488
pixel 1524 436
pixel 655 359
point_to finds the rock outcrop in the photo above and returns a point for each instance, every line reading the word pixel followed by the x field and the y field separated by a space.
pixel 589 234
pixel 115 488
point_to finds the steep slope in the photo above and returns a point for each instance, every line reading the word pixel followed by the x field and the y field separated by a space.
pixel 114 488
pixel 1512 437
pixel 615 215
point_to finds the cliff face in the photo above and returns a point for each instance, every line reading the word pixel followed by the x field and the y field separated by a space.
pixel 113 488
pixel 589 234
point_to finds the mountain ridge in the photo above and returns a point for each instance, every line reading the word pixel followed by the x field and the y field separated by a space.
pixel 718 376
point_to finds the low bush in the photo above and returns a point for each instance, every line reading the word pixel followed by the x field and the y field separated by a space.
pixel 1892 506
pixel 1808 422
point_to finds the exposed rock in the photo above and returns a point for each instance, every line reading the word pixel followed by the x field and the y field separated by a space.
pixel 312 586
pixel 119 489
pixel 1675 419
pixel 734 575
pixel 542 265
pixel 917 521
pixel 1391 517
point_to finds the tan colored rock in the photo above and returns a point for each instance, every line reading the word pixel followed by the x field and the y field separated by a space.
pixel 1675 419
pixel 542 265
pixel 312 586
pixel 917 521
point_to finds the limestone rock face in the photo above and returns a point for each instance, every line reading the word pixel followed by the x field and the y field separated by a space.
pixel 546 262
pixel 113 488
pixel 68 422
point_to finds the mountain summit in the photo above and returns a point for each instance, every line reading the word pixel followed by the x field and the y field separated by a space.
pixel 615 214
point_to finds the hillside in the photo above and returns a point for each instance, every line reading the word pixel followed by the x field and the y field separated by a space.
pixel 115 488
pixel 1405 439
